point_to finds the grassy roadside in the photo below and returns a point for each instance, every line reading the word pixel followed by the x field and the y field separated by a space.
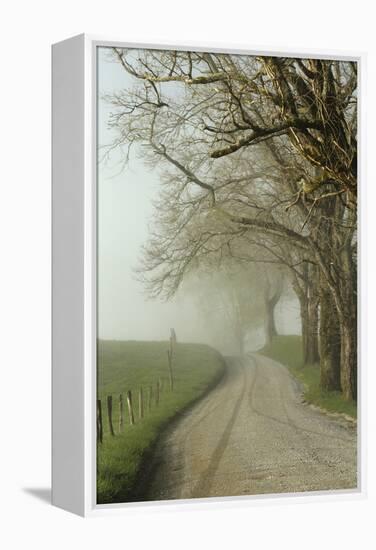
pixel 124 366
pixel 288 351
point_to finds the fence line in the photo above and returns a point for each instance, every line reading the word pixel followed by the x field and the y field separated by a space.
pixel 152 396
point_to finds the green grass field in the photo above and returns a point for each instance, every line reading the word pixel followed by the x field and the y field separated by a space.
pixel 288 350
pixel 124 366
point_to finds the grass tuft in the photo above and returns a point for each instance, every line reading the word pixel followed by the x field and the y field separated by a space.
pixel 288 351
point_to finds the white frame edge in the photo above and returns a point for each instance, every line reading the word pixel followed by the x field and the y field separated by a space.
pixel 74 312
pixel 68 247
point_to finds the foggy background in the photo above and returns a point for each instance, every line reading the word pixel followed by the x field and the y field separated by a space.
pixel 125 209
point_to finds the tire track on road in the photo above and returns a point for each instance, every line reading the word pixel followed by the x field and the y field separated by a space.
pixel 205 481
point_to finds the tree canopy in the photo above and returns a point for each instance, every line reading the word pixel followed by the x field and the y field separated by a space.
pixel 258 157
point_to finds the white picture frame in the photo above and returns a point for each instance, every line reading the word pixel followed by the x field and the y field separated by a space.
pixel 74 321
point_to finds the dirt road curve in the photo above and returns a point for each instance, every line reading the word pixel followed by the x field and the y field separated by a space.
pixel 253 435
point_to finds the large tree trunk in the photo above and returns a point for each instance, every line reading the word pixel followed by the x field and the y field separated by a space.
pixel 330 342
pixel 349 360
pixel 305 286
pixel 344 297
pixel 311 349
pixel 338 275
pixel 270 328
pixel 303 302
pixel 272 294
pixel 348 320
pixel 310 336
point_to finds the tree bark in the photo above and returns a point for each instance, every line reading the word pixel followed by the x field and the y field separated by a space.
pixel 306 288
pixel 349 360
pixel 311 350
pixel 330 342
pixel 271 299
pixel 344 291
pixel 304 320
pixel 270 328
pixel 338 275
pixel 348 319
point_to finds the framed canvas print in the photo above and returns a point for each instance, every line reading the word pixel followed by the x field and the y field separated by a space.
pixel 206 290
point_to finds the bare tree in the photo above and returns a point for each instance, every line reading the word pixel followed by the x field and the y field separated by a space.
pixel 254 150
pixel 248 100
pixel 273 287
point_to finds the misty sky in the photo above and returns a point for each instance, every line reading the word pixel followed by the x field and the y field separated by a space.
pixel 124 212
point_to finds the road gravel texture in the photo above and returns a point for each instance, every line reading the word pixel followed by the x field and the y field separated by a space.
pixel 252 435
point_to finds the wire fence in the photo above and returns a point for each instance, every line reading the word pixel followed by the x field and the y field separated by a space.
pixel 133 406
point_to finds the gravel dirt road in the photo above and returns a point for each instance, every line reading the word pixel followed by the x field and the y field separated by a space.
pixel 250 435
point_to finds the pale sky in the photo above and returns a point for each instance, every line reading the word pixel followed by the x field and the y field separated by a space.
pixel 124 212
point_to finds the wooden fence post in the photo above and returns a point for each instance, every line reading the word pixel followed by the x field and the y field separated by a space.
pixel 150 397
pixel 130 407
pixel 169 357
pixel 121 413
pixel 157 393
pixel 99 422
pixel 173 338
pixel 109 411
pixel 140 404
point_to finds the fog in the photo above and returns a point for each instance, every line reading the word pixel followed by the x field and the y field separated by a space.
pixel 125 211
